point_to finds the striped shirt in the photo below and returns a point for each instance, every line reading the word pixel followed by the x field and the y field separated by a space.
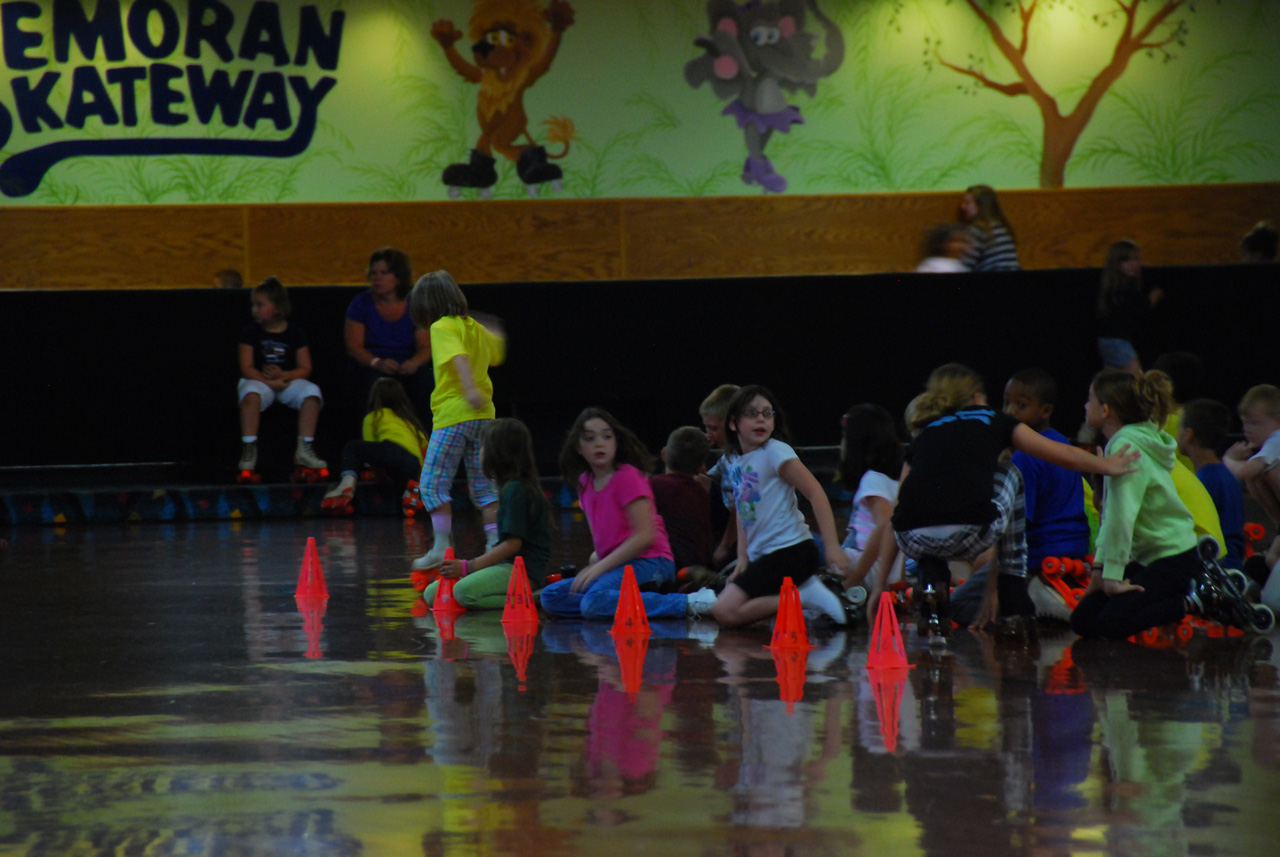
pixel 991 250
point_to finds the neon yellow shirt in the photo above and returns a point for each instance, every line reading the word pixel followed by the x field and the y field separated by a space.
pixel 385 425
pixel 452 336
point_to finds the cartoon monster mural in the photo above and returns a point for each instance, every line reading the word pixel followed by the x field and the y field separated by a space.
pixel 758 51
pixel 514 43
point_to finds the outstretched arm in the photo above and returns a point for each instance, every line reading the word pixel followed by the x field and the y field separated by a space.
pixel 1031 442
pixel 444 33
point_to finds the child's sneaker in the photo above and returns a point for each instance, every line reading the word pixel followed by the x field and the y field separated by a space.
pixel 699 603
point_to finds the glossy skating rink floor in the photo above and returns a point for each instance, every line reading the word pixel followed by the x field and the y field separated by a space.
pixel 161 695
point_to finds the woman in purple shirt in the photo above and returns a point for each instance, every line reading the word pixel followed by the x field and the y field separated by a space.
pixel 380 336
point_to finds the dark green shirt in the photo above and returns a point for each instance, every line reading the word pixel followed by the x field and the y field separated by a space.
pixel 523 517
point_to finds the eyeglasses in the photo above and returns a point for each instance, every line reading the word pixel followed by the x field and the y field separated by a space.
pixel 752 413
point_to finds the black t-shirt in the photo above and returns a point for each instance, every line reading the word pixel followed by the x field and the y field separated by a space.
pixel 953 462
pixel 279 349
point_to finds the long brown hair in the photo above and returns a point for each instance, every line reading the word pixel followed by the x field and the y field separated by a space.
pixel 989 212
pixel 387 394
pixel 630 448
pixel 508 457
pixel 1113 279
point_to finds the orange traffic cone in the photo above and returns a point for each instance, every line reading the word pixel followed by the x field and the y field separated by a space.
pixel 788 627
pixel 520 607
pixel 520 637
pixel 631 649
pixel 792 663
pixel 310 576
pixel 445 601
pixel 888 687
pixel 630 617
pixel 887 652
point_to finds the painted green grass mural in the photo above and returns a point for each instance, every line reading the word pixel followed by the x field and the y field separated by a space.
pixel 388 100
pixel 1187 134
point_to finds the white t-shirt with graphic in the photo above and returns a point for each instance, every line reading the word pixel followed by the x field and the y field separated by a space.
pixel 765 502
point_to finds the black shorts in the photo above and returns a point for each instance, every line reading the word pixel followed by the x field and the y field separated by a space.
pixel 764 575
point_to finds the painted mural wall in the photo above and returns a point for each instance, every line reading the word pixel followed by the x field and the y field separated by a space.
pixel 232 101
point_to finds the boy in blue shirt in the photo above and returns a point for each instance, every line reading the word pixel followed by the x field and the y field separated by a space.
pixel 1201 434
pixel 1055 516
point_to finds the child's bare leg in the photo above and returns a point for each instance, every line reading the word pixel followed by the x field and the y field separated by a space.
pixel 250 414
pixel 1266 490
pixel 308 417
pixel 734 608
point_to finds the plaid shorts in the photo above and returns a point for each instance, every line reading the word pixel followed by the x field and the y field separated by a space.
pixel 449 447
pixel 1008 532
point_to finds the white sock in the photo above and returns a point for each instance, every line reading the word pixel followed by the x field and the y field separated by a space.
pixel 817 598
pixel 442 523
pixel 248 438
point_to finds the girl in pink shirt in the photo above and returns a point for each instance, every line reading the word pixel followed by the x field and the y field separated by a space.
pixel 609 466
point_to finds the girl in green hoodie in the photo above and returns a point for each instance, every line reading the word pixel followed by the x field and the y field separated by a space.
pixel 1146 553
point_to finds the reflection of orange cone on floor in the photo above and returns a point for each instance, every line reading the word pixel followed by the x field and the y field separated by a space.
pixel 520 607
pixel 788 627
pixel 792 662
pixel 520 637
pixel 630 617
pixel 445 601
pixel 888 687
pixel 887 652
pixel 631 648
pixel 310 576
pixel 312 610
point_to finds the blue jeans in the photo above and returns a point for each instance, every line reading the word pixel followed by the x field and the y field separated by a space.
pixel 600 601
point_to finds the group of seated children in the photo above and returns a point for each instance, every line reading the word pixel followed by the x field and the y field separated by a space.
pixel 953 495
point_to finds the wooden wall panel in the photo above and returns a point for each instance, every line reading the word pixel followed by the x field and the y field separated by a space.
pixel 600 240
pixel 117 248
pixel 487 242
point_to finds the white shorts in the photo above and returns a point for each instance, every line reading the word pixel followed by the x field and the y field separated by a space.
pixel 298 391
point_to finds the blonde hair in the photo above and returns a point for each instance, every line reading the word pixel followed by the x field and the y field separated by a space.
pixel 1265 397
pixel 1134 399
pixel 717 404
pixel 950 386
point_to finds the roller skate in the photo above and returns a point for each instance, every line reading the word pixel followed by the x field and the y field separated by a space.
pixel 307 466
pixel 340 497
pixel 534 169
pixel 479 173
pixel 1220 594
pixel 411 501
pixel 248 465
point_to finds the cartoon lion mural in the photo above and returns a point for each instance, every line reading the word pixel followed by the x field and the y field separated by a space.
pixel 513 43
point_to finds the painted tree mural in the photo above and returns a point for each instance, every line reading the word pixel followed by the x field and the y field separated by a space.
pixel 1153 29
